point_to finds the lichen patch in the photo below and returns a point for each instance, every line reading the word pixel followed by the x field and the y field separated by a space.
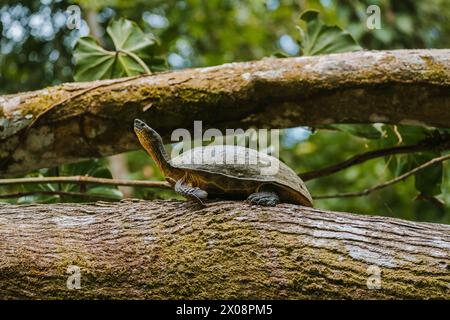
pixel 371 257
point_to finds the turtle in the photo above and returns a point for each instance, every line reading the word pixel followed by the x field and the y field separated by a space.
pixel 208 172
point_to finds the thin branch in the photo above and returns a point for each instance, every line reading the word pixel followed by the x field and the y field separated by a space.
pixel 92 197
pixel 360 158
pixel 387 183
pixel 85 180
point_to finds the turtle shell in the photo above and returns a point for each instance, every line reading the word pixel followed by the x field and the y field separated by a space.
pixel 246 170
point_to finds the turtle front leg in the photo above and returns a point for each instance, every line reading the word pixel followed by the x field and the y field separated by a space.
pixel 264 198
pixel 187 191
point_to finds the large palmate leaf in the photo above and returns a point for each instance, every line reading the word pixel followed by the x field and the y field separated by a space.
pixel 319 38
pixel 133 54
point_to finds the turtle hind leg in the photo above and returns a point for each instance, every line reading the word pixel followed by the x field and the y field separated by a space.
pixel 193 193
pixel 264 198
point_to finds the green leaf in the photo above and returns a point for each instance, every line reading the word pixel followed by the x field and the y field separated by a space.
pixel 405 134
pixel 367 131
pixel 107 192
pixel 132 55
pixel 279 54
pixel 92 168
pixel 319 38
pixel 92 62
pixel 38 198
pixel 126 35
pixel 399 164
pixel 399 135
pixel 428 181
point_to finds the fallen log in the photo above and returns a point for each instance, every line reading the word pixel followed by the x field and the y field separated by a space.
pixel 172 250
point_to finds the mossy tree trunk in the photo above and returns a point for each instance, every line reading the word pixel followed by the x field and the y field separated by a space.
pixel 77 121
pixel 171 249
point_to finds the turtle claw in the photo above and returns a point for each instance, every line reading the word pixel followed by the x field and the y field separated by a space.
pixel 268 199
pixel 196 204
pixel 198 200
pixel 194 193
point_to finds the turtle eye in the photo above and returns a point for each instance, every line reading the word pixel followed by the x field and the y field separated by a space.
pixel 139 124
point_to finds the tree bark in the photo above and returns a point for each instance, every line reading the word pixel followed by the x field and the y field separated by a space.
pixel 172 250
pixel 77 121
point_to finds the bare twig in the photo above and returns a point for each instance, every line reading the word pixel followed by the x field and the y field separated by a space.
pixel 387 183
pixel 60 193
pixel 85 180
pixel 360 158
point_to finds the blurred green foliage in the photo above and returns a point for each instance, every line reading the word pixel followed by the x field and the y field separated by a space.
pixel 36 50
pixel 93 168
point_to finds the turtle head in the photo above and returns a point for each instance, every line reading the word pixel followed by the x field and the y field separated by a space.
pixel 145 134
pixel 152 143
